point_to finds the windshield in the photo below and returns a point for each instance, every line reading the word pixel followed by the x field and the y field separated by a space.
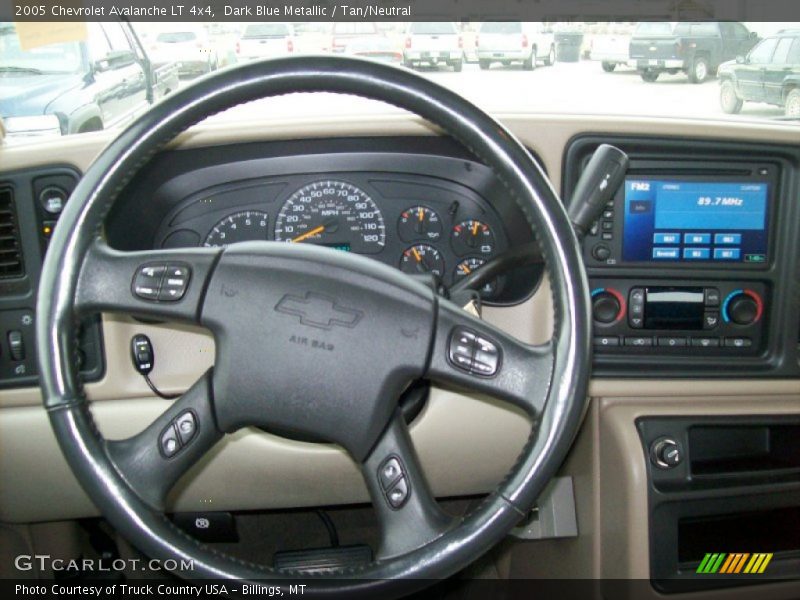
pixel 53 58
pixel 627 69
pixel 653 29
pixel 266 30
pixel 176 37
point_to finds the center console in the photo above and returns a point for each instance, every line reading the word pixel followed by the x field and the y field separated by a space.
pixel 685 263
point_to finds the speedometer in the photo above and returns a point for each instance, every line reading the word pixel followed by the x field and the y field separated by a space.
pixel 334 214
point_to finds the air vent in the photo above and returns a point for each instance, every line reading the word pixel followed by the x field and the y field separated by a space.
pixel 10 250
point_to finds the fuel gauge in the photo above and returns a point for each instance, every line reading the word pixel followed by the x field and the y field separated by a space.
pixel 419 223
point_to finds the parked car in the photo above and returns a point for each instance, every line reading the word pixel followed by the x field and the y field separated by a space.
pixel 188 46
pixel 265 40
pixel 345 33
pixel 769 73
pixel 611 49
pixel 433 43
pixel 73 87
pixel 510 42
pixel 376 47
pixel 695 47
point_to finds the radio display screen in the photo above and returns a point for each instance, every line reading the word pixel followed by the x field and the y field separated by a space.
pixel 695 221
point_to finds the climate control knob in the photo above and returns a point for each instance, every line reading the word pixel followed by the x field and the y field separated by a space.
pixel 607 306
pixel 743 307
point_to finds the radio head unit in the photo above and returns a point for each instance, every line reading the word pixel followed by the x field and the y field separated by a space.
pixel 684 219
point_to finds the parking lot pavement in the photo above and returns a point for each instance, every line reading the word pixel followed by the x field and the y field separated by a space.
pixel 581 87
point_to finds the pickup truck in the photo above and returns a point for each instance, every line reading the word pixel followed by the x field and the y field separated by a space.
pixel 73 87
pixel 695 47
pixel 434 44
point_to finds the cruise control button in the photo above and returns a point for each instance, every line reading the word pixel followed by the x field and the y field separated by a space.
pixel 738 342
pixel 169 442
pixel 398 495
pixel 389 472
pixel 186 426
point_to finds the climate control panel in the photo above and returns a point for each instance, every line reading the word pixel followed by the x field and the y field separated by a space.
pixel 673 317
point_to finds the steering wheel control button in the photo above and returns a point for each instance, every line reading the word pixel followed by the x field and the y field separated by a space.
pixel 399 493
pixel 186 426
pixel 486 358
pixel 391 470
pixel 462 348
pixel 174 283
pixel 147 281
pixel 170 444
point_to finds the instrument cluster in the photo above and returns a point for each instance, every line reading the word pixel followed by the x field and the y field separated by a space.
pixel 416 224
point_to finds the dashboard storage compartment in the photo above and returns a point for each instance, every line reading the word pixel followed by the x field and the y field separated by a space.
pixel 730 488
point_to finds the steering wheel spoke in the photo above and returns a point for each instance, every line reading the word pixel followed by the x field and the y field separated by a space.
pixel 408 513
pixel 163 284
pixel 472 354
pixel 152 461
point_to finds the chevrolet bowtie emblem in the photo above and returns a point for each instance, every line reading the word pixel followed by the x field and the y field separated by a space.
pixel 318 310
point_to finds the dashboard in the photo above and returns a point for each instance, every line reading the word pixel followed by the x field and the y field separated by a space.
pixel 639 393
pixel 440 215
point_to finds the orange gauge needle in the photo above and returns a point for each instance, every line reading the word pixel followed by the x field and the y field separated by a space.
pixel 308 234
pixel 475 228
pixel 421 215
pixel 416 254
pixel 465 270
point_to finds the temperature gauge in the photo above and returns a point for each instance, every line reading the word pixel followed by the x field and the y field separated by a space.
pixel 422 258
pixel 419 223
pixel 473 236
pixel 467 266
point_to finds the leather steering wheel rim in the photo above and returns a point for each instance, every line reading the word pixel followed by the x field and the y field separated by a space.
pixel 87 452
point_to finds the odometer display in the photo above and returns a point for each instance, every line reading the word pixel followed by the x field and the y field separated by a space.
pixel 334 214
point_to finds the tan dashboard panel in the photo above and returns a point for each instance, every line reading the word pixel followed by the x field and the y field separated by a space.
pixel 252 469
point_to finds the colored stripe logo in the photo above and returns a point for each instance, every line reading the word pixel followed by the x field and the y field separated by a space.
pixel 734 563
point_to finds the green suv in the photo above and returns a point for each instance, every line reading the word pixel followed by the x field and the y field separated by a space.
pixel 769 73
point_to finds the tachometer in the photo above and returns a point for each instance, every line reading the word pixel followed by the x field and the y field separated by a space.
pixel 245 226
pixel 334 214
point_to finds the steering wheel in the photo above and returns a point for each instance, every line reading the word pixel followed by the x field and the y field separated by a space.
pixel 360 330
